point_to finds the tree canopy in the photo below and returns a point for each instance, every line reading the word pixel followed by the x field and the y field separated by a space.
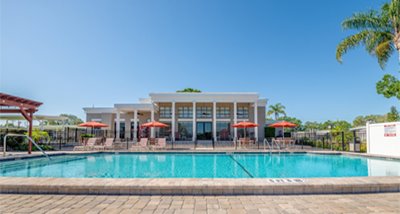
pixel 393 115
pixel 189 90
pixel 71 120
pixel 277 110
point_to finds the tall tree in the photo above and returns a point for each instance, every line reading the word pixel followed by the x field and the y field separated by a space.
pixel 189 90
pixel 277 110
pixel 393 115
pixel 71 120
pixel 294 120
pixel 379 32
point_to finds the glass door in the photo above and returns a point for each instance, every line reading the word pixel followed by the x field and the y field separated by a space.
pixel 204 131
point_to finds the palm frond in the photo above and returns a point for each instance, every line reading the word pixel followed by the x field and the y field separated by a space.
pixel 365 21
pixel 351 42
pixel 383 52
pixel 376 38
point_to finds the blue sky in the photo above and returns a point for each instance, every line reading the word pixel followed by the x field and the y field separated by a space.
pixel 72 54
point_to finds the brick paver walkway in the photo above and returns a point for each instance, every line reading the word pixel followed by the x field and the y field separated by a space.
pixel 360 203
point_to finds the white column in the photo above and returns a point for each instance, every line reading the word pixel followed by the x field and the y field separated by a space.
pixel 235 119
pixel 152 128
pixel 173 122
pixel 194 121
pixel 256 121
pixel 117 126
pixel 135 123
pixel 215 121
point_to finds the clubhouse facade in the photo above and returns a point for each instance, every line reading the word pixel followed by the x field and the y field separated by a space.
pixel 190 116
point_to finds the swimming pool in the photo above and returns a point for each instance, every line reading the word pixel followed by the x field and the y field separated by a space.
pixel 200 165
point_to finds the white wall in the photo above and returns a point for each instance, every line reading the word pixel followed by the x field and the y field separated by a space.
pixel 381 141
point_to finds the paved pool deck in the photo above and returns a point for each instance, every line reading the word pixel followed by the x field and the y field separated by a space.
pixel 350 203
pixel 183 186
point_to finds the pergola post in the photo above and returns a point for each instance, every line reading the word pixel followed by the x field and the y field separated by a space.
pixel 30 132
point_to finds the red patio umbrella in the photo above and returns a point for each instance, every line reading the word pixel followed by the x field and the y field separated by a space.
pixel 283 124
pixel 154 124
pixel 93 124
pixel 245 125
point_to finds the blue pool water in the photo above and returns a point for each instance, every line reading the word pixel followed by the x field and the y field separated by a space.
pixel 189 165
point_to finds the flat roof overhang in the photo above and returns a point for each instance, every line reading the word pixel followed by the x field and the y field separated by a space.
pixel 250 97
pixel 134 106
pixel 99 110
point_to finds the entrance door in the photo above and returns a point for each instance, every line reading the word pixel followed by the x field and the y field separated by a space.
pixel 204 131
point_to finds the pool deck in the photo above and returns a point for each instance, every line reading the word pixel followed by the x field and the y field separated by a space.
pixel 105 204
pixel 197 186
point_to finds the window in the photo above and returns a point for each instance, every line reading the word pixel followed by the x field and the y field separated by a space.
pixel 243 112
pixel 204 112
pixel 165 132
pixel 185 112
pixel 165 112
pixel 185 130
pixel 223 112
pixel 223 130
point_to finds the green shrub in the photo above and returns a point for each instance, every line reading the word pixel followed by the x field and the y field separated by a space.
pixel 87 135
pixel 24 147
pixel 363 147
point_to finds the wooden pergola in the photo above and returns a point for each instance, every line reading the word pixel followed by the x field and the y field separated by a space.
pixel 13 104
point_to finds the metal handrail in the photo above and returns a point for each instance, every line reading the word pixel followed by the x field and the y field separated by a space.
pixel 269 145
pixel 277 145
pixel 22 135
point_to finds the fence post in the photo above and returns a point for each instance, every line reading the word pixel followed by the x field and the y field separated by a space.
pixel 76 135
pixel 343 141
pixel 59 145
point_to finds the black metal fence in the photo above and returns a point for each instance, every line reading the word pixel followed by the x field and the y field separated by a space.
pixel 353 140
pixel 67 137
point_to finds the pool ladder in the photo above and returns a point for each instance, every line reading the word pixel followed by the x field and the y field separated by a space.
pixel 271 145
pixel 22 135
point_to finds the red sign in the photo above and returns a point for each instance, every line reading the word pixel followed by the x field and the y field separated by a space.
pixel 390 130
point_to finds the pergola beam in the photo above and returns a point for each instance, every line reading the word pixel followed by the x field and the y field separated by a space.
pixel 26 115
pixel 13 111
pixel 8 102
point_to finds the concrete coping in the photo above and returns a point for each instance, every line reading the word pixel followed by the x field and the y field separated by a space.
pixel 171 186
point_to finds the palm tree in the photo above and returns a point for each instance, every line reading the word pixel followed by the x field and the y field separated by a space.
pixel 276 110
pixel 378 31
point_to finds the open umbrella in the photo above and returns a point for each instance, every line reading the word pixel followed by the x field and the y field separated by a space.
pixel 154 124
pixel 93 124
pixel 283 124
pixel 245 125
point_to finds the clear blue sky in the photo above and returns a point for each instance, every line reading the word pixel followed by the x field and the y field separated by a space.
pixel 70 54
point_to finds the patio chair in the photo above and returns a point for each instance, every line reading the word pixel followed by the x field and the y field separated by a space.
pixel 89 145
pixel 109 143
pixel 161 143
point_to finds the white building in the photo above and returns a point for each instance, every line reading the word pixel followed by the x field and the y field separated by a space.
pixel 190 116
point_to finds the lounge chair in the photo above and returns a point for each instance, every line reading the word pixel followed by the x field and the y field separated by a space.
pixel 161 143
pixel 143 142
pixel 91 144
pixel 109 143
